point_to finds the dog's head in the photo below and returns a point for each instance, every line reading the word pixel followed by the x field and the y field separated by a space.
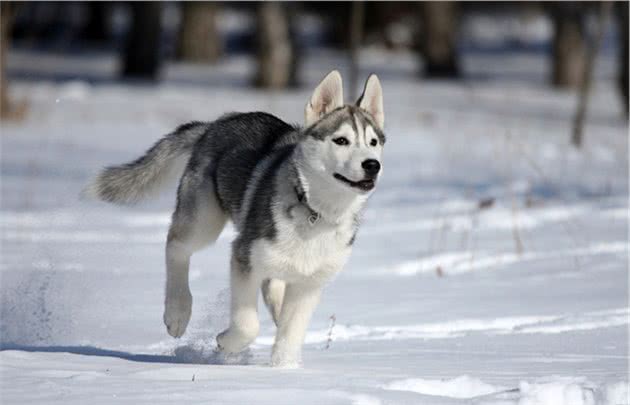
pixel 344 143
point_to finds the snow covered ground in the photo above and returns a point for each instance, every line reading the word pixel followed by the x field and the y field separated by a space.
pixel 491 268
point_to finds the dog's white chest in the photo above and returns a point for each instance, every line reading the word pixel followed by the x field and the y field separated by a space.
pixel 303 251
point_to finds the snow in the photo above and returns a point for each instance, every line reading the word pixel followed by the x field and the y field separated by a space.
pixel 546 391
pixel 460 387
pixel 571 391
pixel 521 299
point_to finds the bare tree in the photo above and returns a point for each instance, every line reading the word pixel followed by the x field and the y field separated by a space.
pixel 569 44
pixel 585 85
pixel 97 26
pixel 5 27
pixel 622 15
pixel 8 109
pixel 276 48
pixel 199 39
pixel 356 34
pixel 141 57
pixel 438 43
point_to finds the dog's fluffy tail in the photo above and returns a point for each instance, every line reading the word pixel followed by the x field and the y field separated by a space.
pixel 131 182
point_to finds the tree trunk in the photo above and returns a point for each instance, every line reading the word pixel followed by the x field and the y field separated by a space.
pixel 356 35
pixel 569 45
pixel 438 42
pixel 199 39
pixel 97 26
pixel 276 49
pixel 5 29
pixel 141 58
pixel 622 14
pixel 9 110
pixel 585 85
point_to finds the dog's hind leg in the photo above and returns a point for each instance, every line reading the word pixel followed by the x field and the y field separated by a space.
pixel 197 221
pixel 273 295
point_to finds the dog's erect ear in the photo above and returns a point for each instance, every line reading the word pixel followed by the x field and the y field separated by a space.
pixel 327 96
pixel 372 100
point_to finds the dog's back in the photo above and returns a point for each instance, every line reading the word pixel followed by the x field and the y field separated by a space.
pixel 232 147
pixel 225 151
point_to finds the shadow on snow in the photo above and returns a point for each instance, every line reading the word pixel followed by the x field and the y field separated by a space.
pixel 187 354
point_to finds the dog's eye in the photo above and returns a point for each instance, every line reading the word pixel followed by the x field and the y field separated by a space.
pixel 341 141
pixel 373 142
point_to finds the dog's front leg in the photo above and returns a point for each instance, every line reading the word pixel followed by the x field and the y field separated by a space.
pixel 244 322
pixel 300 300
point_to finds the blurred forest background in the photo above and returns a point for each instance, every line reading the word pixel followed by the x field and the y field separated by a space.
pixel 147 36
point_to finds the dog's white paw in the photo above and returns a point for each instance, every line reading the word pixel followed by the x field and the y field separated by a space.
pixel 230 342
pixel 223 343
pixel 286 356
pixel 177 312
pixel 284 361
pixel 233 340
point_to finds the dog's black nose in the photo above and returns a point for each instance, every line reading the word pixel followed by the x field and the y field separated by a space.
pixel 371 167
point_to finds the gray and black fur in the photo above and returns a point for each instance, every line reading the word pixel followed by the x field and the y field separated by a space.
pixel 133 181
pixel 222 158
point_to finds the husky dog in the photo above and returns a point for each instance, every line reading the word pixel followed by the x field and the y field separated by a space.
pixel 294 194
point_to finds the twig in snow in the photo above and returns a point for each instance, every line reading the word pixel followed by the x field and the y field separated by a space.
pixel 333 319
pixel 571 226
pixel 485 203
pixel 515 233
pixel 473 240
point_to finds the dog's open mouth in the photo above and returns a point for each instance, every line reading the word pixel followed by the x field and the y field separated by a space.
pixel 364 185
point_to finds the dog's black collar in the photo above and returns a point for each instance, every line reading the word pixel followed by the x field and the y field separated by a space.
pixel 300 195
pixel 314 216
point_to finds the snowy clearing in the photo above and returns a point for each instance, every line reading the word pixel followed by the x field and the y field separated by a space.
pixel 491 267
